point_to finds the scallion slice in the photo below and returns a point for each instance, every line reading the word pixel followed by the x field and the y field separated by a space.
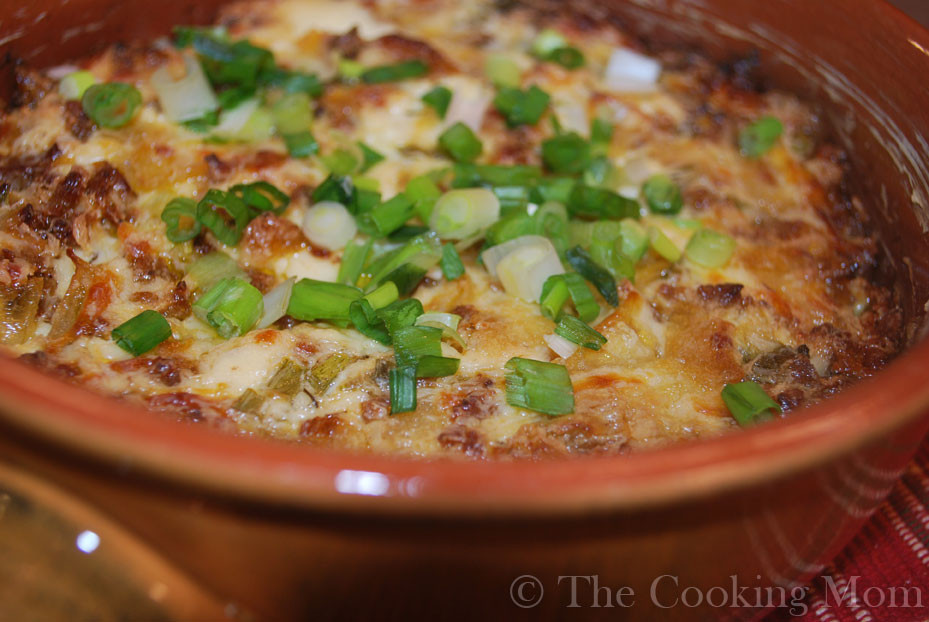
pixel 748 403
pixel 112 104
pixel 566 153
pixel 329 224
pixel 401 314
pixel 231 307
pixel 605 253
pixel 568 57
pixel 390 215
pixel 275 303
pixel 413 342
pixel 633 239
pixel 597 275
pixel 459 214
pixel 446 322
pixel 438 99
pixel 402 265
pixel 582 298
pixel 662 195
pixel 424 193
pixel 292 113
pixel 554 296
pixel 142 333
pixel 502 70
pixel 320 300
pixel 601 131
pixel 392 73
pixel 547 41
pixel 577 331
pixel 436 366
pixel 383 295
pixel 301 144
pixel 757 139
pixel 539 386
pixel 287 378
pixel 369 157
pixel 261 196
pixel 494 175
pixel 208 270
pixel 520 107
pixel 461 143
pixel 367 321
pixel 354 258
pixel 600 204
pixel 402 389
pixel 341 162
pixel 663 245
pixel 180 218
pixel 73 85
pixel 710 249
pixel 451 265
pixel 337 188
pixel 225 214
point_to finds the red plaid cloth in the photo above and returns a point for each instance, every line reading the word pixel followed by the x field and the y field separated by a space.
pixel 885 564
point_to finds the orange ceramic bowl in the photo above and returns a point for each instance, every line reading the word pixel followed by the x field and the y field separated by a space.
pixel 286 531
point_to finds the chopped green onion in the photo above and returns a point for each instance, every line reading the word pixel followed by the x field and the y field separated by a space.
pixel 350 69
pixel 324 373
pixel 420 254
pixel 208 270
pixel 461 143
pixel 748 403
pixel 582 298
pixel 367 321
pixel 600 172
pixel 249 402
pixel 291 81
pixel 502 70
pixel 601 131
pixel 341 162
pixel 459 214
pixel 493 175
pixel 142 333
pixel 663 245
pixel 605 253
pixel 758 138
pixel 401 314
pixel 451 265
pixel 231 307
pixel 301 144
pixel 73 85
pixel 439 99
pixel 336 188
pixel 413 342
pixel 407 233
pixel 261 196
pixel 403 389
pixel 510 228
pixel 691 224
pixel 276 302
pixel 436 366
pixel 662 195
pixel 539 386
pixel 249 121
pixel 288 378
pixel 709 248
pixel 329 225
pixel 513 199
pixel 424 193
pixel 390 215
pixel 600 204
pixel 523 265
pixel 567 56
pixel 554 296
pixel 383 295
pixel 354 258
pixel 566 153
pixel 597 275
pixel 553 189
pixel 446 322
pixel 320 300
pixel 393 73
pixel 633 239
pixel 369 156
pixel 520 107
pixel 112 104
pixel 180 218
pixel 225 214
pixel 577 331
pixel 547 41
pixel 551 221
pixel 292 113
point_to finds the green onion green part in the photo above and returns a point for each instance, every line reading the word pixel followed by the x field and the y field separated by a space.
pixel 568 154
pixel 180 218
pixel 748 403
pixel 438 99
pixel 710 249
pixel 461 143
pixel 225 214
pixel 142 333
pixel 578 332
pixel 112 104
pixel 320 300
pixel 757 139
pixel 402 389
pixel 451 265
pixel 662 195
pixel 597 275
pixel 539 386
pixel 392 73
pixel 520 107
pixel 232 307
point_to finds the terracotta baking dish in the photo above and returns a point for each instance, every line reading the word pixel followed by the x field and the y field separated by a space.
pixel 288 531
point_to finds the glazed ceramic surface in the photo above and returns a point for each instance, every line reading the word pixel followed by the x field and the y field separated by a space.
pixel 287 531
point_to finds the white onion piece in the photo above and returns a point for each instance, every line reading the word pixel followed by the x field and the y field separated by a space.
pixel 631 72
pixel 330 225
pixel 191 97
pixel 276 302
pixel 560 346
pixel 459 214
pixel 525 268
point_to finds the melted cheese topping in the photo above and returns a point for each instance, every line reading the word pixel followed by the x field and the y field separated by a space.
pixel 796 308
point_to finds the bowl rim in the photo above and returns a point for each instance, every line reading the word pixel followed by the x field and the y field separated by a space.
pixel 285 474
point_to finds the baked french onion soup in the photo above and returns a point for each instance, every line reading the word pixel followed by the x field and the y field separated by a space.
pixel 434 228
